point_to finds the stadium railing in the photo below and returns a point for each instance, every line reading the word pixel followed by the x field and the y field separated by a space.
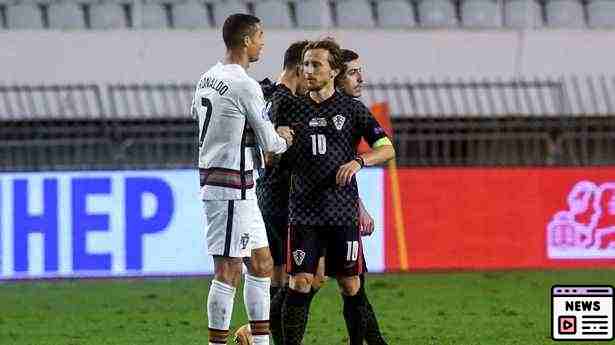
pixel 150 100
pixel 29 102
pixel 538 122
pixel 550 121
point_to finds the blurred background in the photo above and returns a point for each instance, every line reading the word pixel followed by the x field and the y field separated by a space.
pixel 502 113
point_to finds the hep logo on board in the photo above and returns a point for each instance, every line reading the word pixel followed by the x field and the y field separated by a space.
pixel 586 229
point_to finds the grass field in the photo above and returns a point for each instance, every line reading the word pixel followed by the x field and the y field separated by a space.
pixel 497 308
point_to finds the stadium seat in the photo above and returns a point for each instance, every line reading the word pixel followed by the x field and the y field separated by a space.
pixel 25 14
pixel 151 14
pixel 224 8
pixel 3 24
pixel 601 13
pixel 437 13
pixel 354 14
pixel 66 14
pixel 273 13
pixel 481 14
pixel 313 13
pixel 395 14
pixel 109 14
pixel 190 14
pixel 522 14
pixel 565 14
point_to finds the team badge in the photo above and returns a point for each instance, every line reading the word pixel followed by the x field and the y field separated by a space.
pixel 299 255
pixel 338 121
pixel 244 240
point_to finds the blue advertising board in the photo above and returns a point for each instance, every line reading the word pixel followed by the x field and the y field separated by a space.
pixel 120 223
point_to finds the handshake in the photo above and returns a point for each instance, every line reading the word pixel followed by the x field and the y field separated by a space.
pixel 286 133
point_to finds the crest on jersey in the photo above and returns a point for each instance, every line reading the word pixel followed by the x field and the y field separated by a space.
pixel 298 255
pixel 244 240
pixel 338 121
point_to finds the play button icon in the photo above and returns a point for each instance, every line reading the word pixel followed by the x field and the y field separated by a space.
pixel 567 325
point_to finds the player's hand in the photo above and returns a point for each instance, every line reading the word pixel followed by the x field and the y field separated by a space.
pixel 268 156
pixel 286 133
pixel 366 222
pixel 346 172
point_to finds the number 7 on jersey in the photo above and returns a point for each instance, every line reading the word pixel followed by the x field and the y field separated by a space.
pixel 205 103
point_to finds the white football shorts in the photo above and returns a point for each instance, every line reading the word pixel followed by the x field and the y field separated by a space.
pixel 234 227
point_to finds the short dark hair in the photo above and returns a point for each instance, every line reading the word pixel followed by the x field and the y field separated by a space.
pixel 335 52
pixel 349 55
pixel 294 54
pixel 236 27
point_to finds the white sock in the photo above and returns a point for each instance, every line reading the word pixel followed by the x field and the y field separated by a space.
pixel 256 299
pixel 219 311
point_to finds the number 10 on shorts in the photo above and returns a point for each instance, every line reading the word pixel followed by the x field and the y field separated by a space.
pixel 352 250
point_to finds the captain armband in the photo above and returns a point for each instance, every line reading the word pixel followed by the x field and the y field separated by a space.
pixel 382 142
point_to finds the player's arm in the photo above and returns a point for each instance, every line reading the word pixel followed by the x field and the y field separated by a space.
pixel 278 113
pixel 258 119
pixel 381 152
pixel 282 106
pixel 382 147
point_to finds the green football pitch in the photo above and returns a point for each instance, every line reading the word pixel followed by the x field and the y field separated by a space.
pixel 468 308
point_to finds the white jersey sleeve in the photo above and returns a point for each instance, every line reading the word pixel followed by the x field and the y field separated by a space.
pixel 253 102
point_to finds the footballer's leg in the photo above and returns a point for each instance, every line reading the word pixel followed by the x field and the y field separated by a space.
pixel 258 278
pixel 372 331
pixel 319 278
pixel 278 295
pixel 223 246
pixel 318 281
pixel 347 263
pixel 302 263
pixel 221 298
pixel 366 228
pixel 277 228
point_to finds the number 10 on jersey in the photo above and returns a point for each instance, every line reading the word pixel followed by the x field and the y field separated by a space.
pixel 319 144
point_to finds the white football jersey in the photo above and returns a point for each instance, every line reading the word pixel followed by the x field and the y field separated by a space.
pixel 233 128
